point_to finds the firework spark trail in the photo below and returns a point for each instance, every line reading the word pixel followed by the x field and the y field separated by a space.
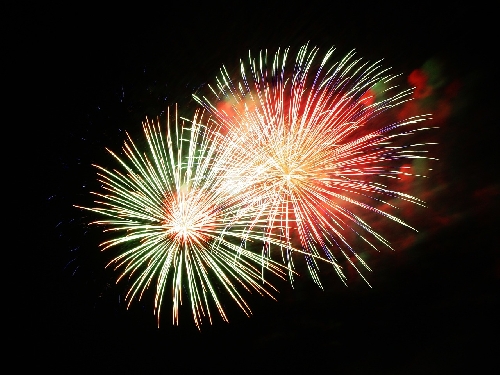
pixel 304 150
pixel 173 220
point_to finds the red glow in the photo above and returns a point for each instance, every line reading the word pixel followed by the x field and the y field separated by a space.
pixel 418 78
pixel 368 98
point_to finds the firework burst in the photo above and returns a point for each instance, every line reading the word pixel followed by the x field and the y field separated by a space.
pixel 173 221
pixel 308 150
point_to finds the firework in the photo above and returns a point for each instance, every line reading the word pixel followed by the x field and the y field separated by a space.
pixel 173 221
pixel 308 150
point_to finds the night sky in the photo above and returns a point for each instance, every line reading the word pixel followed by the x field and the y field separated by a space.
pixel 431 305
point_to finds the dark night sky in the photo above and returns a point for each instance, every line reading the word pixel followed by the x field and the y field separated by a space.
pixel 101 72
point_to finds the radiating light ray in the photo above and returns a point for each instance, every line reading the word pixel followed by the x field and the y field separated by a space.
pixel 173 220
pixel 307 150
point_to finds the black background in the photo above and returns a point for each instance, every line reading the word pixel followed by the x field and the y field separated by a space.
pixel 94 73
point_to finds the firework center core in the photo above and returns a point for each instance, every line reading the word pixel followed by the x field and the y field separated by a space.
pixel 188 220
